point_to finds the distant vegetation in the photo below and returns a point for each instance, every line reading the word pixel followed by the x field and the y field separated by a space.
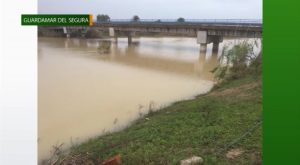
pixel 180 19
pixel 103 18
pixel 135 18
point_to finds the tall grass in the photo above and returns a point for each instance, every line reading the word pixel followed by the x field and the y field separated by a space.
pixel 239 60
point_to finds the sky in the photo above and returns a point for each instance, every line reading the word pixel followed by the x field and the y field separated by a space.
pixel 157 9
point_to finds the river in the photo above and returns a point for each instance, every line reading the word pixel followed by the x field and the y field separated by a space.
pixel 83 92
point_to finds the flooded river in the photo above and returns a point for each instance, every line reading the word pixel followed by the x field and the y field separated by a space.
pixel 84 91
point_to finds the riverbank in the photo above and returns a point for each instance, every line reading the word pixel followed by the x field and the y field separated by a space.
pixel 221 126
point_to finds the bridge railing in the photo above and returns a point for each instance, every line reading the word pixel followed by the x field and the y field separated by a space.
pixel 186 21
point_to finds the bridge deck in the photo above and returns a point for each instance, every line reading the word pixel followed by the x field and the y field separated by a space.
pixel 215 24
pixel 215 27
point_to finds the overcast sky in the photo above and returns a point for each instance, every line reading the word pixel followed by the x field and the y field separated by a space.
pixel 163 9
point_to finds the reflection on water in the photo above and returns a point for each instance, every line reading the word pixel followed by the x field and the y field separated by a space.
pixel 87 87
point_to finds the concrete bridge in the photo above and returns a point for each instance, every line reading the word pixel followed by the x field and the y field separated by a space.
pixel 206 31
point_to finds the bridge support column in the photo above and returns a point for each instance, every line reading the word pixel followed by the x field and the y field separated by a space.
pixel 202 40
pixel 112 33
pixel 129 39
pixel 215 40
pixel 115 39
pixel 202 37
pixel 65 30
pixel 215 48
pixel 130 34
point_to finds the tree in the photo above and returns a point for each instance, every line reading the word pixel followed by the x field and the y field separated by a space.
pixel 103 18
pixel 135 18
pixel 180 19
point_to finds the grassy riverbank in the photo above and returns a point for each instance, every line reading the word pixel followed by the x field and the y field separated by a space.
pixel 209 126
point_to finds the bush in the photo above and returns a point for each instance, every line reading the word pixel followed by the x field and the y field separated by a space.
pixel 238 61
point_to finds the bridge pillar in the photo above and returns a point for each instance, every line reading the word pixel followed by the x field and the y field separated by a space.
pixel 113 33
pixel 129 39
pixel 129 35
pixel 66 32
pixel 202 40
pixel 215 40
pixel 215 47
pixel 115 39
pixel 202 37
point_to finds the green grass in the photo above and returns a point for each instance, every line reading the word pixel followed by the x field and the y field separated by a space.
pixel 204 126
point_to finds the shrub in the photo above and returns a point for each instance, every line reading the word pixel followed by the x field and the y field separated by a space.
pixel 238 61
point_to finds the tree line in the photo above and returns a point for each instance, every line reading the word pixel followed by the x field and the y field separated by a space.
pixel 135 18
